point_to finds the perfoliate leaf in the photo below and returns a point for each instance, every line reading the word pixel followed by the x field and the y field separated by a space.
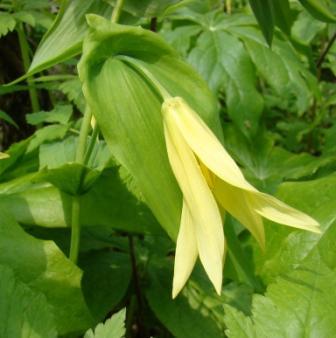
pixel 127 106
pixel 108 204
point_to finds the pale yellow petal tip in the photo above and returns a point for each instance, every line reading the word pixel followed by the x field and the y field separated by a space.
pixel 3 156
pixel 176 289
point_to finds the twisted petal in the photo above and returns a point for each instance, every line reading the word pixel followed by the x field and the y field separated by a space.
pixel 198 197
pixel 186 251
pixel 234 200
pixel 205 144
pixel 277 211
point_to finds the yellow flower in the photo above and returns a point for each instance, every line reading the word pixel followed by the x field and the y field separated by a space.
pixel 207 175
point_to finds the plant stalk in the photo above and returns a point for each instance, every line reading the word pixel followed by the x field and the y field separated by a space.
pixel 26 63
pixel 325 52
pixel 117 10
pixel 82 157
pixel 75 206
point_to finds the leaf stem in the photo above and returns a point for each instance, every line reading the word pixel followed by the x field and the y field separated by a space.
pixel 82 157
pixel 75 206
pixel 26 63
pixel 325 52
pixel 117 10
pixel 75 229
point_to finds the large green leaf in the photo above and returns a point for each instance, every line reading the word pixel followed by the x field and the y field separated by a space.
pixel 108 204
pixel 198 311
pixel 224 63
pixel 43 267
pixel 230 53
pixel 106 278
pixel 64 39
pixel 267 165
pixel 287 249
pixel 189 315
pixel 128 108
pixel 298 305
pixel 24 313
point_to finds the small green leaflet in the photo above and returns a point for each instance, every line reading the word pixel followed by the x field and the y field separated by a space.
pixel 112 328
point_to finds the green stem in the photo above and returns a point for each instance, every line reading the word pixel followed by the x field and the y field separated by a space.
pixel 75 207
pixel 83 135
pixel 82 157
pixel 75 229
pixel 117 11
pixel 92 143
pixel 26 63
pixel 228 6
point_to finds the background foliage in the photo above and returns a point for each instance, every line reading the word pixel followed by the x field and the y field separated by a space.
pixel 271 66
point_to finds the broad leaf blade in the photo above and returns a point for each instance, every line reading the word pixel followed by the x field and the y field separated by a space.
pixel 64 39
pixel 128 108
pixel 24 312
pixel 42 265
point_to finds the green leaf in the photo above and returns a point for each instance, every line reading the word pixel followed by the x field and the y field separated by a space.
pixel 191 315
pixel 224 63
pixel 319 10
pixel 45 269
pixel 64 39
pixel 106 279
pixel 148 8
pixel 108 204
pixel 128 109
pixel 7 23
pixel 24 312
pixel 282 15
pixel 281 67
pixel 4 116
pixel 56 154
pixel 47 134
pixel 25 17
pixel 267 165
pixel 298 305
pixel 112 328
pixel 60 114
pixel 287 249
pixel 73 90
pixel 263 11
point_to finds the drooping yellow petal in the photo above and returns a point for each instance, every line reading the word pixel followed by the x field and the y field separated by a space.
pixel 234 201
pixel 277 211
pixel 186 251
pixel 199 199
pixel 204 143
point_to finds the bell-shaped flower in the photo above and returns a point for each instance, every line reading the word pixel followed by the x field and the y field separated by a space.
pixel 208 177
